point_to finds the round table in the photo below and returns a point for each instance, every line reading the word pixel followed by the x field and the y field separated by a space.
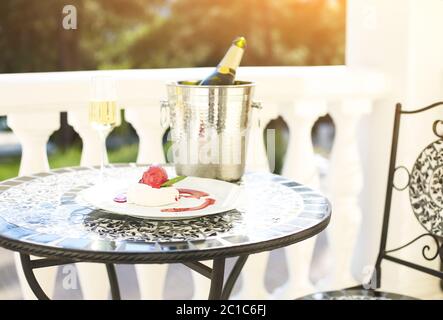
pixel 42 215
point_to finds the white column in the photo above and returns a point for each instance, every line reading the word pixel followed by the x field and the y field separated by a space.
pixel 257 156
pixel 93 277
pixel 202 284
pixel 254 270
pixel 300 158
pixel 146 121
pixel 300 166
pixel 93 280
pixel 33 131
pixel 91 149
pixel 345 184
pixel 151 280
pixel 253 278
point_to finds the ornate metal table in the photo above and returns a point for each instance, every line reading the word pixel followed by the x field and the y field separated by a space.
pixel 41 215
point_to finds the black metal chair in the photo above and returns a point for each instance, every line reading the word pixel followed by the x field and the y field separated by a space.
pixel 425 185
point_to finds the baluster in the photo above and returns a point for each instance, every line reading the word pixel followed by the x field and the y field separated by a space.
pixel 93 280
pixel 151 280
pixel 93 277
pixel 145 120
pixel 257 158
pixel 201 283
pixel 33 131
pixel 300 166
pixel 254 270
pixel 91 149
pixel 345 184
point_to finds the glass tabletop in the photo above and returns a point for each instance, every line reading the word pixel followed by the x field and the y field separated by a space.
pixel 43 215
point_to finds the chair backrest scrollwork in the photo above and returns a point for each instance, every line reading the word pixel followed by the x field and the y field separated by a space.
pixel 425 185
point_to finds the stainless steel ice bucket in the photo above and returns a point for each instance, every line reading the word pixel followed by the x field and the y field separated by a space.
pixel 209 128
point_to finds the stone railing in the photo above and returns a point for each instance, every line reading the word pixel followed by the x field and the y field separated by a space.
pixel 32 103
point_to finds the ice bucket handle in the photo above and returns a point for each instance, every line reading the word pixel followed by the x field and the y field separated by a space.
pixel 164 113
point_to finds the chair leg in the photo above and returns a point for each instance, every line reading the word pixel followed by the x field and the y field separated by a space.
pixel 441 269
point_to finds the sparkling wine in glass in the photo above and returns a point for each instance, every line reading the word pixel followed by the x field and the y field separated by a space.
pixel 103 111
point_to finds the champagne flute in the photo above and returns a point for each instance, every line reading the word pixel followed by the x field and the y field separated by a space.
pixel 103 111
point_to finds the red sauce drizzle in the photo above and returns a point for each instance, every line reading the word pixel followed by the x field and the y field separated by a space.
pixel 190 193
pixel 208 202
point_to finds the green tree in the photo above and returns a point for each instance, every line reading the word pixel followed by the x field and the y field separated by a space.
pixel 32 37
pixel 279 32
pixel 167 33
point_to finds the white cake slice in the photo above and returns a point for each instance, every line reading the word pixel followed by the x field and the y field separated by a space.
pixel 144 195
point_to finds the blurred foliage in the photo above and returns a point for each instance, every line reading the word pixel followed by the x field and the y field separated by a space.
pixel 9 166
pixel 281 137
pixel 32 37
pixel 279 32
pixel 168 33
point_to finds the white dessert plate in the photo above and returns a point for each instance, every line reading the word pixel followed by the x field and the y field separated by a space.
pixel 226 197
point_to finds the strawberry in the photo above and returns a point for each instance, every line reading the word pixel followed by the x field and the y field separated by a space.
pixel 155 176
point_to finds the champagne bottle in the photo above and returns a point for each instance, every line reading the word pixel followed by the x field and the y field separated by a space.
pixel 224 74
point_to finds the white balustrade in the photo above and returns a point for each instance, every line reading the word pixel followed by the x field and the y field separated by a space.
pixel 253 275
pixel 300 166
pixel 91 149
pixel 33 131
pixel 92 276
pixel 299 94
pixel 93 281
pixel 146 121
pixel 92 145
pixel 257 155
pixel 345 185
pixel 201 284
pixel 151 280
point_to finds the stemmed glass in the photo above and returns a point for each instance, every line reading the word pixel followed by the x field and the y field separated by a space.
pixel 103 111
